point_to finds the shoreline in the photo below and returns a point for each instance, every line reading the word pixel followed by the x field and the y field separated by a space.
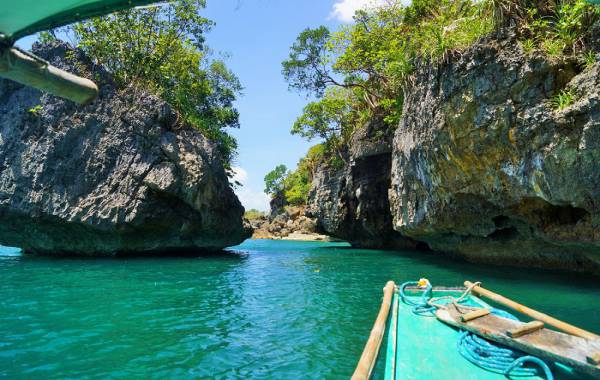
pixel 298 236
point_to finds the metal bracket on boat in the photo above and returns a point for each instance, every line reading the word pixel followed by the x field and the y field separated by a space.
pixel 27 69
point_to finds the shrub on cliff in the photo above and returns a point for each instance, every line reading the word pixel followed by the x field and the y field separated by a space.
pixel 358 72
pixel 557 27
pixel 295 185
pixel 162 50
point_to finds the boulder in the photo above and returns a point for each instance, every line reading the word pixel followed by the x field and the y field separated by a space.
pixel 122 175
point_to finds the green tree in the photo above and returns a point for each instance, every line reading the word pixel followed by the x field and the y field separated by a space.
pixel 329 119
pixel 162 49
pixel 297 185
pixel 307 68
pixel 274 180
pixel 373 58
pixel 314 157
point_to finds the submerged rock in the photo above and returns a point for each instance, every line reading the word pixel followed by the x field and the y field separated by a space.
pixel 487 167
pixel 122 175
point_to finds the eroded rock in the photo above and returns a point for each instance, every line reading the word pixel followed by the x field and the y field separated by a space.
pixel 122 175
pixel 485 166
pixel 351 202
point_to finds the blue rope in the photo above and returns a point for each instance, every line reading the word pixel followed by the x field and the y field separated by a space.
pixel 478 350
pixel 420 307
pixel 497 359
pixel 532 359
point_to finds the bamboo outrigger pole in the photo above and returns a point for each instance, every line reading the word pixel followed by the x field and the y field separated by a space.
pixel 369 356
pixel 35 72
pixel 558 324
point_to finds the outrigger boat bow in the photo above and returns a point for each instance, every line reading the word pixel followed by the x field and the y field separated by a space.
pixel 451 333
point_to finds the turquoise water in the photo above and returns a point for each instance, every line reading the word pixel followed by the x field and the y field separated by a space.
pixel 265 309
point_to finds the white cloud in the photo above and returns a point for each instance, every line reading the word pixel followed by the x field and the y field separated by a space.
pixel 249 197
pixel 253 199
pixel 343 10
pixel 239 174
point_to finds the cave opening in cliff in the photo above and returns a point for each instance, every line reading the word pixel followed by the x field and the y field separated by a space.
pixel 504 234
pixel 422 246
pixel 565 215
pixel 540 212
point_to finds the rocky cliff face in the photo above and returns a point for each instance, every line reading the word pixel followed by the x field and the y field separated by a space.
pixel 483 164
pixel 486 167
pixel 351 202
pixel 122 175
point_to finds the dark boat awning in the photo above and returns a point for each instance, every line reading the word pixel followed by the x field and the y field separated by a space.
pixel 24 17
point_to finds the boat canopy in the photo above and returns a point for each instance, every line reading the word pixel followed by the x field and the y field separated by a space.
pixel 21 18
pixel 24 17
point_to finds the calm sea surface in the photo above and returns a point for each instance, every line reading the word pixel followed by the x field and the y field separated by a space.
pixel 264 309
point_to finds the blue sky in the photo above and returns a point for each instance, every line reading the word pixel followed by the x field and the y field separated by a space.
pixel 256 36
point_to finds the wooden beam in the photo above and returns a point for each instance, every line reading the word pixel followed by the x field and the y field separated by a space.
pixel 31 71
pixel 547 344
pixel 556 323
pixel 474 314
pixel 369 356
pixel 527 328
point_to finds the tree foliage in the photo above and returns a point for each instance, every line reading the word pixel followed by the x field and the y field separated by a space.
pixel 253 214
pixel 274 179
pixel 329 119
pixel 163 50
pixel 298 183
pixel 358 72
pixel 295 185
pixel 306 69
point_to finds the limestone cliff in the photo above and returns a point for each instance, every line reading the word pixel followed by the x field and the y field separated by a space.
pixel 122 175
pixel 486 166
pixel 350 202
pixel 483 165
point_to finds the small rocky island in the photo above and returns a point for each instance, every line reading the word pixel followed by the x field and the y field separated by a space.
pixel 121 175
pixel 477 141
pixel 487 165
pixel 286 222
